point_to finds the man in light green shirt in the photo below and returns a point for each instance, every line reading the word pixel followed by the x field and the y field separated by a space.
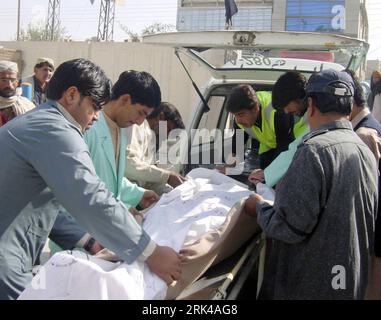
pixel 133 97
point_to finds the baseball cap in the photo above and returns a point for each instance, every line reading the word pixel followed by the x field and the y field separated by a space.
pixel 326 81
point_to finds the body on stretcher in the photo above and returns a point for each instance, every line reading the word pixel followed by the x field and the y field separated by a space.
pixel 203 215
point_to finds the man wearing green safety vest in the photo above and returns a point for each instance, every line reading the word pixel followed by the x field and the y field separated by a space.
pixel 274 130
pixel 288 95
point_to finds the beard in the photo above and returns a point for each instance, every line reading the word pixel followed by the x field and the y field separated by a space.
pixel 303 108
pixel 7 93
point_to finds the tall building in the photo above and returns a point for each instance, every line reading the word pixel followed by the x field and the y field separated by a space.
pixel 347 17
pixel 200 15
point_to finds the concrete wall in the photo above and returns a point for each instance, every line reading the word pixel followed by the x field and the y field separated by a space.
pixel 116 57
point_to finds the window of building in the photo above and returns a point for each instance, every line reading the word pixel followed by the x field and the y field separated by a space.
pixel 258 18
pixel 315 15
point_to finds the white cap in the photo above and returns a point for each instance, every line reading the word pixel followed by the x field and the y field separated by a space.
pixel 9 66
pixel 47 60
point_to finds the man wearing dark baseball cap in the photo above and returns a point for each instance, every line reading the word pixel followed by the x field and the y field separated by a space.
pixel 323 215
pixel 338 83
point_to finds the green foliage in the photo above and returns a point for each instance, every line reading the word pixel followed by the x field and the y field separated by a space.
pixel 92 39
pixel 37 32
pixel 156 27
pixel 132 36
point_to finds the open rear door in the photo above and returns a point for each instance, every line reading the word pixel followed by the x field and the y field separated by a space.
pixel 238 54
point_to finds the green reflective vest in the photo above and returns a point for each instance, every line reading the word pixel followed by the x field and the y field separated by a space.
pixel 266 134
pixel 300 127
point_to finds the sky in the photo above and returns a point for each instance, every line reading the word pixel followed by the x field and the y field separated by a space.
pixel 80 18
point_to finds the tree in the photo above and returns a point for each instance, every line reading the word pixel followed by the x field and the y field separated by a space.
pixel 92 39
pixel 37 32
pixel 132 36
pixel 156 27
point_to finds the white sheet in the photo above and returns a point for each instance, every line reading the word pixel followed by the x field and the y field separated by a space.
pixel 266 192
pixel 181 216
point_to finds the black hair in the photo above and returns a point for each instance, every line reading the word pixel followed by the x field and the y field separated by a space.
pixel 141 86
pixel 289 87
pixel 327 102
pixel 87 77
pixel 359 95
pixel 170 112
pixel 242 97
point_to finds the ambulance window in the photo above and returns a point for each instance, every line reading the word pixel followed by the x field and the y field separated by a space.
pixel 209 119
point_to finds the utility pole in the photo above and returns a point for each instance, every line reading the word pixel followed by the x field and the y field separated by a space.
pixel 106 20
pixel 18 20
pixel 53 22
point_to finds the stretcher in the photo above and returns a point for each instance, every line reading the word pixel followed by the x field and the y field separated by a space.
pixel 227 246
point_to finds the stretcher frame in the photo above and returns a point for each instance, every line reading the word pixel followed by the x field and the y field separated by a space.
pixel 252 260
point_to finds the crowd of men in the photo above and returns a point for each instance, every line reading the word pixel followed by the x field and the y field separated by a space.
pixel 73 173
